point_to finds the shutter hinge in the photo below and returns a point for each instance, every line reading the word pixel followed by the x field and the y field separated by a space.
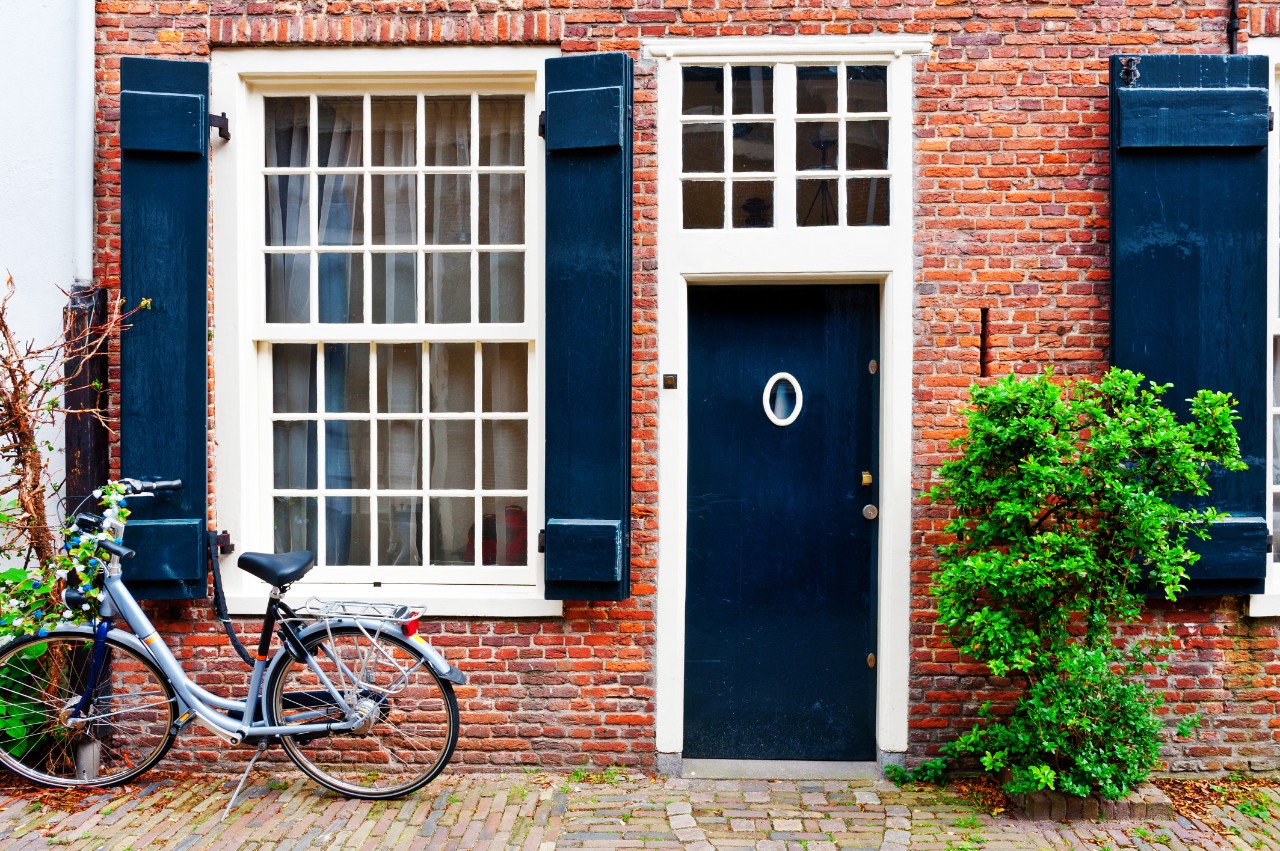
pixel 1129 72
pixel 542 124
pixel 1271 119
pixel 222 124
pixel 223 540
pixel 1271 543
pixel 542 540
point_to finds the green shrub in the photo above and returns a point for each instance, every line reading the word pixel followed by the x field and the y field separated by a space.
pixel 1069 500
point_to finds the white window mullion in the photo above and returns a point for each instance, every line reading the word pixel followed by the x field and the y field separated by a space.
pixel 784 146
pixel 313 210
pixel 322 554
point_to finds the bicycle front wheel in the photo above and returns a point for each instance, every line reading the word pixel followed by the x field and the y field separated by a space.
pixel 411 724
pixel 125 727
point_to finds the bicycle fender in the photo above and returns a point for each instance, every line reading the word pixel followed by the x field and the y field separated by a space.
pixel 437 662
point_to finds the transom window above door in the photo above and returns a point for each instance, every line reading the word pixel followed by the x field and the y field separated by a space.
pixel 810 138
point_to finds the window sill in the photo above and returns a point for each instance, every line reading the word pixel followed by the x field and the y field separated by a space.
pixel 468 601
pixel 1264 605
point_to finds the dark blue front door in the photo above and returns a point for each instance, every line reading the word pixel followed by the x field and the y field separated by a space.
pixel 780 605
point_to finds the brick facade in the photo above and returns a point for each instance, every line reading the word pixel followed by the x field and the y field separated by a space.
pixel 1011 220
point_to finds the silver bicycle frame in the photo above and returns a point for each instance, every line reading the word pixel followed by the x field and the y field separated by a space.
pixel 195 701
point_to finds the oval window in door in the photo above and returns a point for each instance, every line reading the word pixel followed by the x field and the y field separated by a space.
pixel 783 399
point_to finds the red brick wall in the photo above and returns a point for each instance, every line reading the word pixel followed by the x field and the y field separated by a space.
pixel 1011 206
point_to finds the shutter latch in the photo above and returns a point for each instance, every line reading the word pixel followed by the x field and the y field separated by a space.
pixel 542 124
pixel 223 540
pixel 542 540
pixel 222 124
pixel 1270 543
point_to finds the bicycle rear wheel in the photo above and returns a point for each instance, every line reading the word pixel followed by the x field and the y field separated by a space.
pixel 125 729
pixel 412 728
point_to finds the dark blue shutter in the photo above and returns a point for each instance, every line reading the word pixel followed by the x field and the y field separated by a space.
pixel 1189 265
pixel 164 203
pixel 588 327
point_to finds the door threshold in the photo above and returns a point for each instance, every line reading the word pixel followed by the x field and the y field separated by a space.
pixel 777 769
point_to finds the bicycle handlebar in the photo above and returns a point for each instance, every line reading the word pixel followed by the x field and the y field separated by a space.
pixel 138 486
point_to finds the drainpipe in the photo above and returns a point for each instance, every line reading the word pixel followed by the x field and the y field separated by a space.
pixel 84 437
pixel 1233 25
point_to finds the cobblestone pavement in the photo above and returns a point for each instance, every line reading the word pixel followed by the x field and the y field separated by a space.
pixel 548 812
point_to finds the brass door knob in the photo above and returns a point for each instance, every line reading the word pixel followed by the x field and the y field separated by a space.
pixel 871 660
pixel 870 512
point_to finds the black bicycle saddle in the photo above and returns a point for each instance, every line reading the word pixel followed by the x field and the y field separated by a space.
pixel 277 569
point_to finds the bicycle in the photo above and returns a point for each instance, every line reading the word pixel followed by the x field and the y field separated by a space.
pixel 359 701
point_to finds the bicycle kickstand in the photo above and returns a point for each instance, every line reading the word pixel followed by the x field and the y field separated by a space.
pixel 262 748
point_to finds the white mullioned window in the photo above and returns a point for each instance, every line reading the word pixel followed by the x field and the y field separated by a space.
pixel 388 309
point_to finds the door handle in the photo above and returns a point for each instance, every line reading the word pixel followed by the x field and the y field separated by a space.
pixel 870 512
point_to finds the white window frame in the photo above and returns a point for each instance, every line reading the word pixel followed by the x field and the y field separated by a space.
pixel 881 256
pixel 1267 604
pixel 240 79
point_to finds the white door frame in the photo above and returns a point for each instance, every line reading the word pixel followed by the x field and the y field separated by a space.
pixel 880 256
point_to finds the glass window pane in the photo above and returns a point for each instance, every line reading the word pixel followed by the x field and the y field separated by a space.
pixel 817 89
pixel 505 462
pixel 506 377
pixel 295 523
pixel 867 144
pixel 502 209
pixel 400 530
pixel 1275 451
pixel 511 529
pixel 448 131
pixel 448 211
pixel 340 132
pixel 703 90
pixel 341 285
pixel 341 209
pixel 453 521
pixel 448 287
pixel 288 215
pixel 453 454
pixel 703 147
pixel 501 286
pixel 869 201
pixel 453 378
pixel 293 454
pixel 399 454
pixel 346 377
pixel 395 209
pixel 395 291
pixel 346 520
pixel 399 378
pixel 502 130
pixel 293 378
pixel 816 145
pixel 753 204
pixel 752 90
pixel 394 129
pixel 817 203
pixel 753 146
pixel 347 454
pixel 867 89
pixel 703 203
pixel 288 287
pixel 287 121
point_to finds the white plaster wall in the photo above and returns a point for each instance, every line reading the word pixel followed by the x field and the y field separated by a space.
pixel 45 158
